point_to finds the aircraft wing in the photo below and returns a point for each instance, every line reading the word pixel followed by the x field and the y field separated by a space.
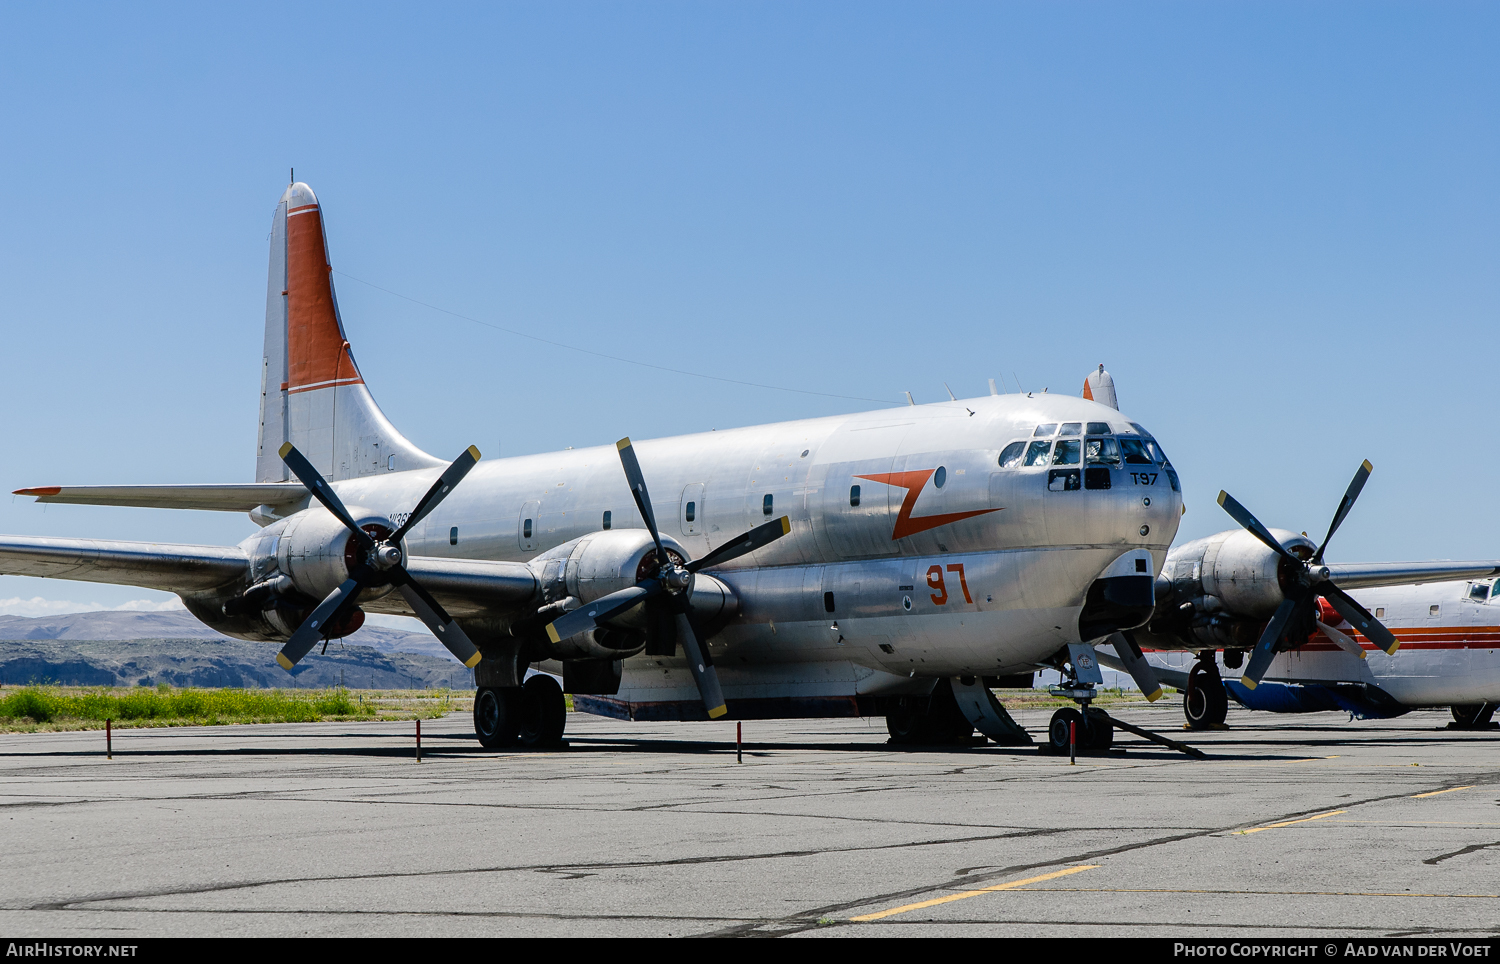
pixel 152 565
pixel 234 497
pixel 466 587
pixel 1367 575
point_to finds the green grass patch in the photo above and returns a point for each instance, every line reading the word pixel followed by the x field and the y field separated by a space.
pixel 164 705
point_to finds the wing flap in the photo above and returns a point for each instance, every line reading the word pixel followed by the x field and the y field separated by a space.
pixel 152 565
pixel 232 497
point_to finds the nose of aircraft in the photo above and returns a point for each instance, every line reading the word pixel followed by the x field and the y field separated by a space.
pixel 1122 597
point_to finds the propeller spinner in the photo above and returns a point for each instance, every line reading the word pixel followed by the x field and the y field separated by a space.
pixel 671 587
pixel 380 563
pixel 1296 617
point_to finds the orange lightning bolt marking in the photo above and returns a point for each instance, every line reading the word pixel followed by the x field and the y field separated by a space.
pixel 913 483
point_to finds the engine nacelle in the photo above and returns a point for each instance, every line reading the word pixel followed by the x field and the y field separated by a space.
pixel 1234 572
pixel 595 565
pixel 294 565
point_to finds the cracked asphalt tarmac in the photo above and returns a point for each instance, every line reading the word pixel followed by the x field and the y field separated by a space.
pixel 1295 825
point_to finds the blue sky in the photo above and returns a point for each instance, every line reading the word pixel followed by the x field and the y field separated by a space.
pixel 1276 224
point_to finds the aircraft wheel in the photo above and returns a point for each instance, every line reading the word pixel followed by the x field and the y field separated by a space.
pixel 543 712
pixel 907 727
pixel 1205 704
pixel 1057 730
pixel 1101 735
pixel 1473 716
pixel 495 713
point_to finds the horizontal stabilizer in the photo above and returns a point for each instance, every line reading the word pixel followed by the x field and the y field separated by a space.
pixel 233 497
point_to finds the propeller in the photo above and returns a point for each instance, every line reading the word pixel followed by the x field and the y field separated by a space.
pixel 672 586
pixel 380 564
pixel 1297 616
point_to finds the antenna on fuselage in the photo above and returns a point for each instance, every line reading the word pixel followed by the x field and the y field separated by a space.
pixel 992 387
pixel 951 396
pixel 910 400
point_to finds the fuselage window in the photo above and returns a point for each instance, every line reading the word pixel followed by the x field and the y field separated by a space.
pixel 1479 592
pixel 453 536
pixel 1071 428
pixel 609 518
pixel 1067 452
pixel 1011 456
pixel 526 529
pixel 940 477
pixel 1045 431
pixel 1135 451
pixel 1037 454
pixel 1098 428
pixel 1102 451
pixel 692 511
pixel 828 602
pixel 854 495
pixel 765 505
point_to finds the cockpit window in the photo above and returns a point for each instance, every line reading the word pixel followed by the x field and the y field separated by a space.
pixel 1154 452
pixel 1479 592
pixel 1011 456
pixel 1045 431
pixel 1066 452
pixel 1135 451
pixel 1101 451
pixel 1037 453
pixel 1098 428
pixel 1072 428
pixel 1139 430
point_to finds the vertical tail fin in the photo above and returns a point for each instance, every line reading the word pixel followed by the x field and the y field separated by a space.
pixel 312 394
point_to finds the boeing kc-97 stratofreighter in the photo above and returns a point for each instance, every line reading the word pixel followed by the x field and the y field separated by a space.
pixel 885 563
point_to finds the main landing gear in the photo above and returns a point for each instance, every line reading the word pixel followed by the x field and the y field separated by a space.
pixel 1474 716
pixel 1205 704
pixel 935 721
pixel 531 715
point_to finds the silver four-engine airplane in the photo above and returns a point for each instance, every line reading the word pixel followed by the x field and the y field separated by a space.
pixel 891 563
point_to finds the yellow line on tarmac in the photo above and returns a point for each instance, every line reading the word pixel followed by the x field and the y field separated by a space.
pixel 1288 823
pixel 1418 796
pixel 1257 893
pixel 972 893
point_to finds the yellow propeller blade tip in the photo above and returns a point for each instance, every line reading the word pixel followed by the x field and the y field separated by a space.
pixel 1368 466
pixel 786 524
pixel 623 443
pixel 1154 696
pixel 474 452
pixel 1395 646
pixel 717 712
pixel 286 664
pixel 1247 682
pixel 285 448
pixel 1222 496
pixel 552 634
pixel 473 661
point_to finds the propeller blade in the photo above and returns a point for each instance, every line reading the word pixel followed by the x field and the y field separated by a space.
pixel 1242 515
pixel 761 535
pixel 451 476
pixel 431 612
pixel 638 490
pixel 703 668
pixel 1265 649
pixel 1340 640
pixel 1135 664
pixel 1360 618
pixel 586 617
pixel 311 630
pixel 1360 477
pixel 308 476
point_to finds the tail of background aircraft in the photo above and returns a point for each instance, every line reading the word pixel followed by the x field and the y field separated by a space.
pixel 311 391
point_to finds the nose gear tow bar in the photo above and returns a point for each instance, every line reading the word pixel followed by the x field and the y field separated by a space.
pixel 1092 728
